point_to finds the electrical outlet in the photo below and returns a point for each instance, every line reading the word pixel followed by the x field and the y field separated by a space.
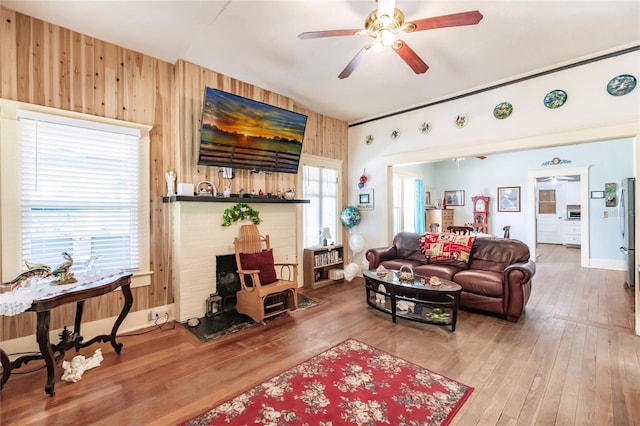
pixel 158 314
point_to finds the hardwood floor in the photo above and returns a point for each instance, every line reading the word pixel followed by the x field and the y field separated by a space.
pixel 573 359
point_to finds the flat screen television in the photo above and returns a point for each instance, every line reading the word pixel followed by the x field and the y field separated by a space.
pixel 242 133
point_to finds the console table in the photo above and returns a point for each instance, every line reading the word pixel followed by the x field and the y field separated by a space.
pixel 68 340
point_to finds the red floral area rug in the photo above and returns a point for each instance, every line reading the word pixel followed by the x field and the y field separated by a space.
pixel 351 383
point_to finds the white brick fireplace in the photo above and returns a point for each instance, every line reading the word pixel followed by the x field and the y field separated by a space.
pixel 198 237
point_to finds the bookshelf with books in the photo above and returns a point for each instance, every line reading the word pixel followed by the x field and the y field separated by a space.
pixel 323 265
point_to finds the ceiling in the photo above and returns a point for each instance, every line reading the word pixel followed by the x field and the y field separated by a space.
pixel 256 41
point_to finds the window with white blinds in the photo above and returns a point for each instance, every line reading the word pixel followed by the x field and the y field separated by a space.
pixel 321 189
pixel 80 192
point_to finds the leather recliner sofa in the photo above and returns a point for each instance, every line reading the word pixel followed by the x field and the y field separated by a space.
pixel 496 279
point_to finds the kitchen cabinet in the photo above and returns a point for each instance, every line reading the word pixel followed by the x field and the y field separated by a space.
pixel 573 193
pixel 571 232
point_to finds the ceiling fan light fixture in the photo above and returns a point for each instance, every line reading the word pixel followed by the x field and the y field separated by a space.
pixel 386 37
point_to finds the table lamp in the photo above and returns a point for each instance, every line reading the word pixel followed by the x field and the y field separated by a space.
pixel 326 234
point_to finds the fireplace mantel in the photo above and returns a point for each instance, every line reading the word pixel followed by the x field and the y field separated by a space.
pixel 247 199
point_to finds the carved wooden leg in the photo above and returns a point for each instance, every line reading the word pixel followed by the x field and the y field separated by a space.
pixel 76 337
pixel 42 335
pixel 128 302
pixel 6 367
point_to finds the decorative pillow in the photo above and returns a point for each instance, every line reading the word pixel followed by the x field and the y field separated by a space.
pixel 262 261
pixel 446 247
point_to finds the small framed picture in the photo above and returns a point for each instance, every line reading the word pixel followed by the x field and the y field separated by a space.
pixel 509 199
pixel 597 194
pixel 365 199
pixel 454 198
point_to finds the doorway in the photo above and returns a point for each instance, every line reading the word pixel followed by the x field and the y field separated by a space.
pixel 553 223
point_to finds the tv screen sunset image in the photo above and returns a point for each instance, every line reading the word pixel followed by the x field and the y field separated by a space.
pixel 242 133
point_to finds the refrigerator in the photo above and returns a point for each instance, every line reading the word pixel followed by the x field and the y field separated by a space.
pixel 627 213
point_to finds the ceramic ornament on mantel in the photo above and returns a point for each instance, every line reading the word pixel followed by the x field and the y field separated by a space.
pixel 170 177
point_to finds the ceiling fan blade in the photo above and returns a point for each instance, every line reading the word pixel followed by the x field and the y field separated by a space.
pixel 453 20
pixel 410 57
pixel 346 72
pixel 327 33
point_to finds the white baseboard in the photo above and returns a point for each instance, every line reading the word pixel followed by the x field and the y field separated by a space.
pixel 614 265
pixel 134 321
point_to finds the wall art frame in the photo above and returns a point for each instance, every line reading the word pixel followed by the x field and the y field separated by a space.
pixel 508 198
pixel 597 195
pixel 454 198
pixel 365 199
pixel 611 199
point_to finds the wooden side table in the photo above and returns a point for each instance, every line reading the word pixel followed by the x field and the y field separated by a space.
pixel 68 339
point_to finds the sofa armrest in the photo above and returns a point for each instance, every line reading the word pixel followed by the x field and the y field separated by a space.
pixel 526 271
pixel 380 254
pixel 517 288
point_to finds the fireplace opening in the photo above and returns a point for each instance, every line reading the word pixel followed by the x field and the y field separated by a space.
pixel 227 280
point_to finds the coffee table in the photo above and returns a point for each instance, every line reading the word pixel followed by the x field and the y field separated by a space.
pixel 425 302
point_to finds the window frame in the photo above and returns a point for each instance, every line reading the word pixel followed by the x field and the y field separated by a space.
pixel 329 163
pixel 11 232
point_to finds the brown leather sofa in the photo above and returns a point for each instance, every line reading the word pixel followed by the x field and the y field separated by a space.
pixel 497 278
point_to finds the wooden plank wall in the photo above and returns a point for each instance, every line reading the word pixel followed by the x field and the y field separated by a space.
pixel 44 64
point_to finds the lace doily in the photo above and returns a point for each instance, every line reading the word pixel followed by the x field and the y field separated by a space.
pixel 18 301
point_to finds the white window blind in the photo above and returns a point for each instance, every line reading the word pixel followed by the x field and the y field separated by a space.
pixel 80 187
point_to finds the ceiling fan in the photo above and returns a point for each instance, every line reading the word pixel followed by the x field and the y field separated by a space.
pixel 385 23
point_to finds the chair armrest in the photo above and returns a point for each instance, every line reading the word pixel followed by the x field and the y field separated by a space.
pixel 292 269
pixel 255 278
pixel 380 254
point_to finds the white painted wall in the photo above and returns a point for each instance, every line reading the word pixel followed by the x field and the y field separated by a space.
pixel 590 114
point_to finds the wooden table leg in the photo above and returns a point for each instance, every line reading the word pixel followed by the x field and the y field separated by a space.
pixel 42 336
pixel 6 367
pixel 128 302
pixel 456 305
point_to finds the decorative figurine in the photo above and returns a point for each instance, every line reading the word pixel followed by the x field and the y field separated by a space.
pixel 34 271
pixel 380 298
pixel 227 192
pixel 290 194
pixel 74 370
pixel 61 272
pixel 170 177
pixel 435 281
pixel 404 306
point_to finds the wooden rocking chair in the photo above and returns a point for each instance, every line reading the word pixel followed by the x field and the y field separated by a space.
pixel 263 293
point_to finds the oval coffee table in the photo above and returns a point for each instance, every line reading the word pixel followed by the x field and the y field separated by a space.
pixel 424 302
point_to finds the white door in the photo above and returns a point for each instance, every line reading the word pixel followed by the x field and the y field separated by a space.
pixel 548 215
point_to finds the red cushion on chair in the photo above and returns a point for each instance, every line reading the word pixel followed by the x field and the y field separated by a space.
pixel 262 261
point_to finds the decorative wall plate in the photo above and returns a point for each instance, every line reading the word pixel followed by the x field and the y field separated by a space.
pixel 461 121
pixel 502 110
pixel 621 85
pixel 395 134
pixel 424 128
pixel 555 99
pixel 368 139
